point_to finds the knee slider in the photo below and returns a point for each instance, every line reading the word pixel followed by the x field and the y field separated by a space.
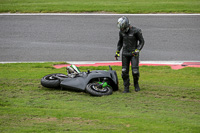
pixel 124 73
pixel 135 71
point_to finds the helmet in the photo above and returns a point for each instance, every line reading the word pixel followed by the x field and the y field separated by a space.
pixel 123 24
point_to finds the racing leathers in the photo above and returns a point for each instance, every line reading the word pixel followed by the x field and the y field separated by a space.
pixel 132 42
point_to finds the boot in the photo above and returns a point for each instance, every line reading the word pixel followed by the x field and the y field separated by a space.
pixel 126 90
pixel 137 88
pixel 136 84
pixel 126 80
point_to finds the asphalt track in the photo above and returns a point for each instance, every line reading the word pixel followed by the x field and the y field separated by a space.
pixel 93 37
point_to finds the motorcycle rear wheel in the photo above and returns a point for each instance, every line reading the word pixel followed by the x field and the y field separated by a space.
pixel 92 88
pixel 50 82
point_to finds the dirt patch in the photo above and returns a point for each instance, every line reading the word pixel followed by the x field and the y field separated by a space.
pixel 43 120
pixel 65 120
pixel 78 120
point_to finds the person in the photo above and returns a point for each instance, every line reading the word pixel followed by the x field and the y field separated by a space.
pixel 132 42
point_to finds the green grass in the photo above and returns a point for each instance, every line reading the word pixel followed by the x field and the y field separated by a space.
pixel 115 6
pixel 169 101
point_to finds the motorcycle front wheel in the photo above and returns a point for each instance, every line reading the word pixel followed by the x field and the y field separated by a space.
pixel 50 81
pixel 93 89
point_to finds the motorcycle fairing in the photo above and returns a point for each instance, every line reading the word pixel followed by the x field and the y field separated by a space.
pixel 81 80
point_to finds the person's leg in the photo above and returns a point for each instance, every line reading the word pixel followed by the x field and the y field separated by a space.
pixel 135 72
pixel 125 73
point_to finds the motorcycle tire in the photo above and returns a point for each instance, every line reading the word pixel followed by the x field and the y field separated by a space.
pixel 92 89
pixel 51 82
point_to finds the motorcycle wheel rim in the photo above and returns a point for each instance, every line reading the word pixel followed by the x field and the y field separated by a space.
pixel 94 87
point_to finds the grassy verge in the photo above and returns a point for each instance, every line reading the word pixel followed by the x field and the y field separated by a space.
pixel 117 6
pixel 168 102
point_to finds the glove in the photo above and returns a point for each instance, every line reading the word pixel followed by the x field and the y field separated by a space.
pixel 136 52
pixel 117 55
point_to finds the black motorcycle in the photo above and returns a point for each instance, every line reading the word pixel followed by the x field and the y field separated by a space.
pixel 96 83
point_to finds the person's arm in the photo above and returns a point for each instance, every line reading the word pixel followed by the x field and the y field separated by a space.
pixel 120 42
pixel 141 40
pixel 119 46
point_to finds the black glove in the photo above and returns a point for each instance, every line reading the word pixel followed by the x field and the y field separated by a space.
pixel 117 55
pixel 136 52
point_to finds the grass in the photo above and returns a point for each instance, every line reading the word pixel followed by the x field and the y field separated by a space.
pixel 168 102
pixel 115 6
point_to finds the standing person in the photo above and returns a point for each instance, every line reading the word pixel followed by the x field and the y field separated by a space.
pixel 132 41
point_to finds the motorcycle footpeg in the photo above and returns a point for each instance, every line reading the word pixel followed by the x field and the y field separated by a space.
pixel 88 71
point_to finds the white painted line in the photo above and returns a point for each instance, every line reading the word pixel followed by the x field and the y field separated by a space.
pixel 90 62
pixel 91 14
pixel 163 62
pixel 7 62
pixel 93 62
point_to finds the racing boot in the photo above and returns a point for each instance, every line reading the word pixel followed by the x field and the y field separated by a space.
pixel 126 80
pixel 126 84
pixel 136 84
pixel 126 89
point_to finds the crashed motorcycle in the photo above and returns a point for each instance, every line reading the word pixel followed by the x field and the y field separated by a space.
pixel 96 82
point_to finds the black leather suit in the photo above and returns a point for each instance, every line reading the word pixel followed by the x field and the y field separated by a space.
pixel 130 41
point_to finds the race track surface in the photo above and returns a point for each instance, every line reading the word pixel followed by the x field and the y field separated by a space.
pixel 94 37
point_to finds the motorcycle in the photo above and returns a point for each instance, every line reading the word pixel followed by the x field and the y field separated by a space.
pixel 96 82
